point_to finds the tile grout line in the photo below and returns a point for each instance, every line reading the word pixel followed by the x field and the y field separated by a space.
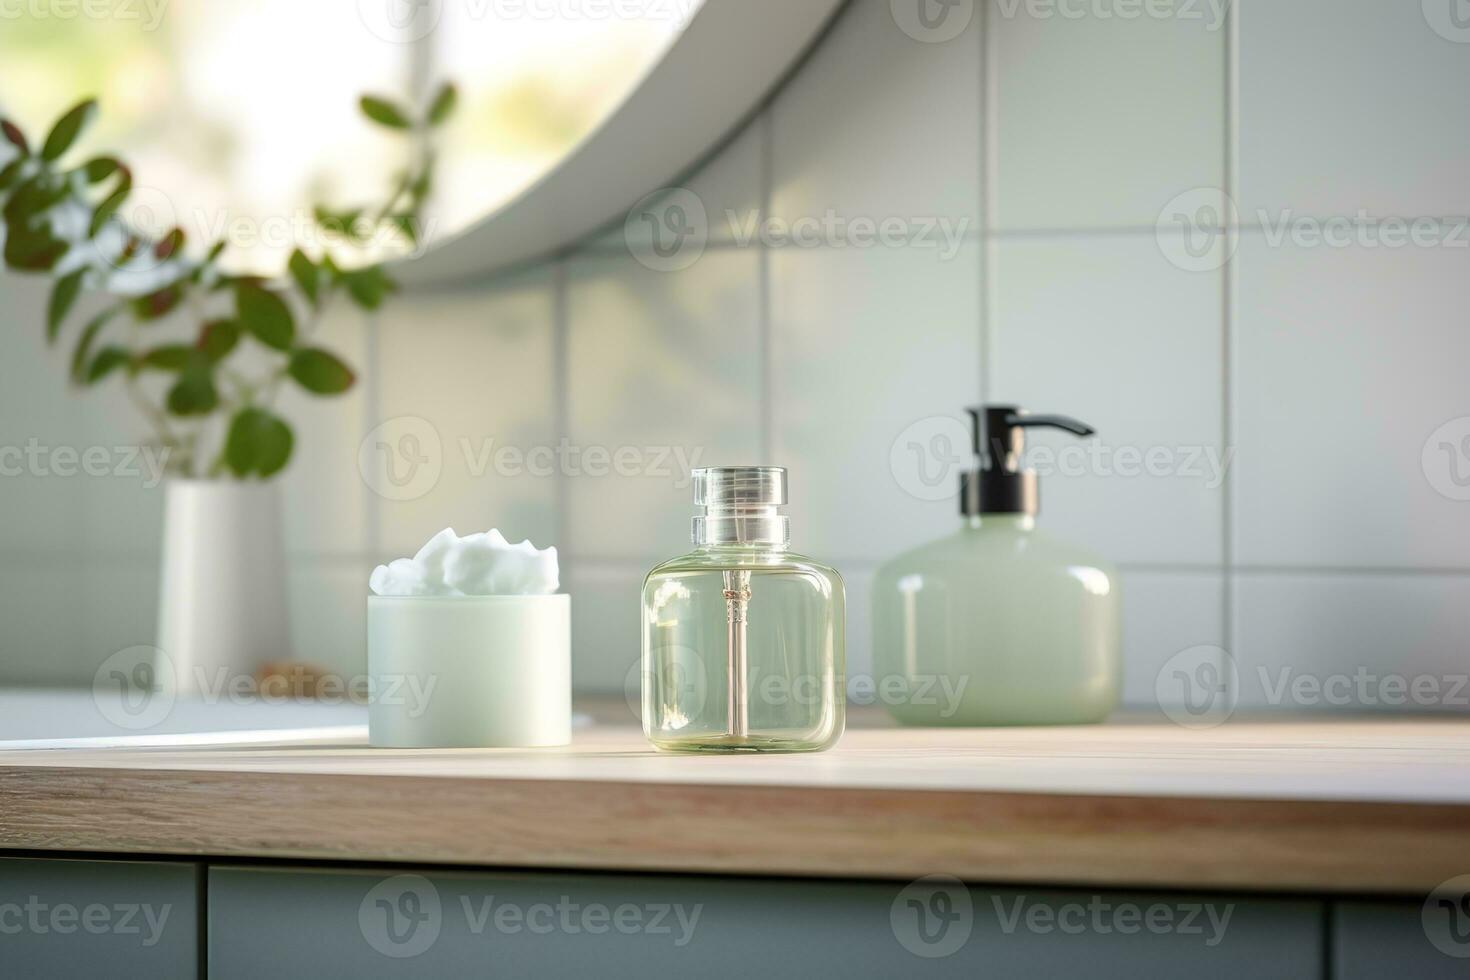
pixel 310 560
pixel 1228 304
pixel 991 235
pixel 1323 571
pixel 765 327
pixel 372 410
pixel 561 391
pixel 989 109
pixel 625 562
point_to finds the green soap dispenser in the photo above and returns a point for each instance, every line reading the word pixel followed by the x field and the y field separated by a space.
pixel 1000 623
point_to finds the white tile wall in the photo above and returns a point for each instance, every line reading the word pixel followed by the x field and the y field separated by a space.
pixel 36 403
pixel 854 338
pixel 325 499
pixel 1099 120
pixel 663 373
pixel 606 645
pixel 1353 106
pixel 477 368
pixel 1353 360
pixel 1347 531
pixel 1104 328
pixel 117 610
pixel 1337 543
pixel 41 609
pixel 858 583
pixel 119 606
pixel 878 124
pixel 122 513
pixel 1355 642
pixel 1164 615
pixel 328 609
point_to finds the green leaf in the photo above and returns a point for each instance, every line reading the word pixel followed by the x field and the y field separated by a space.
pixel 217 338
pixel 169 357
pixel 406 224
pixel 84 343
pixel 194 393
pixel 32 249
pixel 34 197
pixel 10 172
pixel 67 129
pixel 108 359
pixel 206 269
pixel 100 168
pixel 158 303
pixel 265 315
pixel 343 223
pixel 443 104
pixel 384 113
pixel 63 295
pixel 258 443
pixel 107 209
pixel 306 274
pixel 422 184
pixel 14 136
pixel 368 286
pixel 319 371
pixel 169 245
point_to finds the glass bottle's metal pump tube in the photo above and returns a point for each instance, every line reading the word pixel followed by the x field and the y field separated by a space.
pixel 737 601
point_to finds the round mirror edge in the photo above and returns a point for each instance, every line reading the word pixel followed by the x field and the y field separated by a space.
pixel 745 50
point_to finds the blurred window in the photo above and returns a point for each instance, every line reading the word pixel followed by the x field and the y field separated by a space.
pixel 238 115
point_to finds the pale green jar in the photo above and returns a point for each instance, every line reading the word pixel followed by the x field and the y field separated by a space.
pixel 1000 623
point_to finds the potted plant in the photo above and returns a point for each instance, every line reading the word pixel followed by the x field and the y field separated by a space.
pixel 203 354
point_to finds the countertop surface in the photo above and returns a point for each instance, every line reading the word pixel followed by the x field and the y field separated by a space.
pixel 1359 805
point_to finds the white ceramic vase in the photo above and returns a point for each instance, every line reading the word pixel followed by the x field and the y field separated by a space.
pixel 222 609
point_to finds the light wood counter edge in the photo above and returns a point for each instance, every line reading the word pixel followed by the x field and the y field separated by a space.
pixel 984 837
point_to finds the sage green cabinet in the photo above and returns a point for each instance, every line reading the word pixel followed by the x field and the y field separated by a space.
pixel 1372 940
pixel 115 919
pixel 363 924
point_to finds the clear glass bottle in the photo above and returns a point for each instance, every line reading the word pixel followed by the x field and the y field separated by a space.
pixel 743 645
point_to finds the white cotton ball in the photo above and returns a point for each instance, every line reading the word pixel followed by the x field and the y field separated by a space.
pixel 477 564
pixel 431 556
pixel 470 563
pixel 401 577
pixel 536 572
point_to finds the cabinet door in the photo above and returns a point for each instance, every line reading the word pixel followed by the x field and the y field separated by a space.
pixel 1400 939
pixel 364 924
pixel 115 919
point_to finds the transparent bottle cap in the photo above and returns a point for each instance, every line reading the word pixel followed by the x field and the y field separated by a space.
pixel 735 486
pixel 740 505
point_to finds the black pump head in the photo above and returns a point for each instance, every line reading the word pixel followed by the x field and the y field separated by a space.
pixel 999 484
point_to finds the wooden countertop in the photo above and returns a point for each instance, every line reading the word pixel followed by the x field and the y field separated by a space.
pixel 1377 805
